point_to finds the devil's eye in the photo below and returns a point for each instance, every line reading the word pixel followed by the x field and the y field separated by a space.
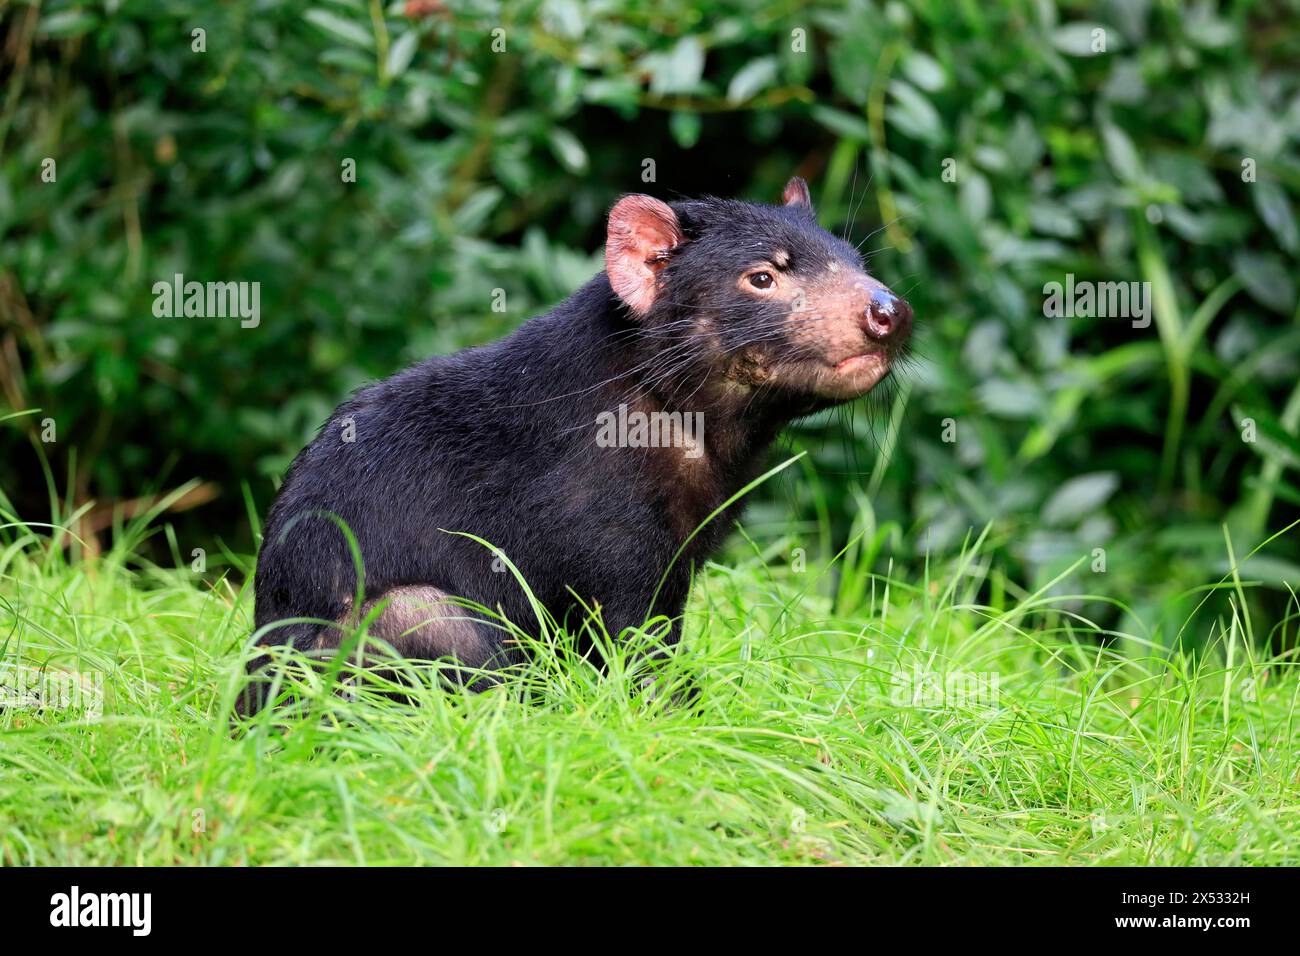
pixel 761 280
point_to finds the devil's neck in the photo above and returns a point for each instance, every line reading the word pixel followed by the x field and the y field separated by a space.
pixel 737 424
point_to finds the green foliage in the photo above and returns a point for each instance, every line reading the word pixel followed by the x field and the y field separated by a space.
pixel 479 170
pixel 896 720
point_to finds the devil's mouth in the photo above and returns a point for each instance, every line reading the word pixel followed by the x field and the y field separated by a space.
pixel 826 377
pixel 855 362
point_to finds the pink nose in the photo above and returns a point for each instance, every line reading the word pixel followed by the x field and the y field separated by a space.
pixel 887 317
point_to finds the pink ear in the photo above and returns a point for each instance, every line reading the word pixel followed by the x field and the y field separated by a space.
pixel 642 233
pixel 796 193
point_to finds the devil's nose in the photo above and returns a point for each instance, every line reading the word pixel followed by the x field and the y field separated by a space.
pixel 887 317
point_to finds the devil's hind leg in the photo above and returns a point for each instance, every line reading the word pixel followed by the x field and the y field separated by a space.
pixel 418 622
pixel 422 622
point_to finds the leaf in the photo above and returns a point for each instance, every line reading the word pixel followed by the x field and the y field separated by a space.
pixel 1011 399
pixel 66 23
pixel 1121 153
pixel 842 123
pixel 347 58
pixel 340 28
pixel 402 52
pixel 1079 497
pixel 1266 279
pixel 902 810
pixel 914 114
pixel 1271 439
pixel 925 71
pixel 685 127
pixel 620 92
pixel 1053 219
pixel 1275 209
pixel 1206 30
pixel 119 813
pixel 752 78
pixel 1280 489
pixel 679 71
pixel 1275 572
pixel 473 214
pixel 1186 173
pixel 568 150
pixel 975 197
pixel 564 17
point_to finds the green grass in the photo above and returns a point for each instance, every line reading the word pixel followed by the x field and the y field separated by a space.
pixel 799 751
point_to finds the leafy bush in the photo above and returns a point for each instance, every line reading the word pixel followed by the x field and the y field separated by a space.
pixel 978 153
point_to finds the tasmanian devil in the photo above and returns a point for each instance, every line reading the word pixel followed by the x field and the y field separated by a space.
pixel 588 446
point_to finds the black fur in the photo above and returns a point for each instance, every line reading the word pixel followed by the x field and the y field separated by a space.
pixel 499 441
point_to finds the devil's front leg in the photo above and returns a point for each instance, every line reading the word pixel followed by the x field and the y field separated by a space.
pixel 646 628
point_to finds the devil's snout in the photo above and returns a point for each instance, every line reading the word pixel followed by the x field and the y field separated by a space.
pixel 887 318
